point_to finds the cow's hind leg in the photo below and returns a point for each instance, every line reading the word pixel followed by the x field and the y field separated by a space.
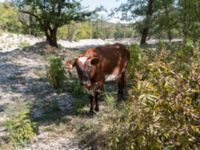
pixel 121 85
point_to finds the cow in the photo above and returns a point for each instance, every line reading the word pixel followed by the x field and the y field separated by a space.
pixel 99 65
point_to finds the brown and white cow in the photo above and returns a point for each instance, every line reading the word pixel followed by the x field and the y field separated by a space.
pixel 98 65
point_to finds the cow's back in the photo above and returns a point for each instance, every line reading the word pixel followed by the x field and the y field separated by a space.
pixel 113 59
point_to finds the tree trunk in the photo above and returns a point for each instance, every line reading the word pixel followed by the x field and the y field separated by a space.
pixel 145 30
pixel 51 37
pixel 169 35
pixel 144 36
pixel 185 32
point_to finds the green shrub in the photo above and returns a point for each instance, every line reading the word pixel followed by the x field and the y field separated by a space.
pixel 76 89
pixel 135 57
pixel 56 73
pixel 162 111
pixel 109 99
pixel 23 44
pixel 160 114
pixel 78 92
pixel 21 129
pixel 73 85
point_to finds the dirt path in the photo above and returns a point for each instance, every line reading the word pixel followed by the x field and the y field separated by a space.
pixel 22 79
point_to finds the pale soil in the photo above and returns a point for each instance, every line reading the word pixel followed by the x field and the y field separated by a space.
pixel 23 79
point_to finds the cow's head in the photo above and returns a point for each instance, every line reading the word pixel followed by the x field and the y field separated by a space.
pixel 85 67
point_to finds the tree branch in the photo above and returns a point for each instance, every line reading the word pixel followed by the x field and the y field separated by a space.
pixel 27 12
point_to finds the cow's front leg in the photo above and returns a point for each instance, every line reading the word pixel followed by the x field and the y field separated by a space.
pixel 92 102
pixel 96 100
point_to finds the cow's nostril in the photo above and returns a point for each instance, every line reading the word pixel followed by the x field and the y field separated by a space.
pixel 86 83
pixel 83 83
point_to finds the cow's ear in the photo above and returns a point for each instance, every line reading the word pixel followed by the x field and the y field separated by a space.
pixel 94 61
pixel 70 63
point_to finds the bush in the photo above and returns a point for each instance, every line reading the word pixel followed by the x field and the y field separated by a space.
pixel 162 111
pixel 135 57
pixel 21 129
pixel 56 73
pixel 73 85
pixel 161 114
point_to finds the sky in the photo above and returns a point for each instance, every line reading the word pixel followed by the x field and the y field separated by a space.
pixel 108 4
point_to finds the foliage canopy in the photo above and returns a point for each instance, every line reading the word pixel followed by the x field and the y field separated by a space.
pixel 50 15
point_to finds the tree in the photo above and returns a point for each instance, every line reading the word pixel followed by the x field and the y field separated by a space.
pixel 72 31
pixel 119 31
pixel 189 12
pixel 165 19
pixel 140 9
pixel 147 20
pixel 84 31
pixel 52 14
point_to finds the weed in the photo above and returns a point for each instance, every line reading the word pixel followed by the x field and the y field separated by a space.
pixel 109 99
pixel 73 85
pixel 76 90
pixel 56 73
pixel 21 129
pixel 79 103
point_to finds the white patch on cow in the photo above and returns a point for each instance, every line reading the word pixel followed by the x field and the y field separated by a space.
pixel 82 59
pixel 90 92
pixel 117 46
pixel 111 77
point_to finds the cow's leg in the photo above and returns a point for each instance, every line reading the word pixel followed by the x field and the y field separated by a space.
pixel 97 93
pixel 92 102
pixel 121 85
pixel 97 100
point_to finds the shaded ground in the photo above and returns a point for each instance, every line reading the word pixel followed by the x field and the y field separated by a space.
pixel 23 79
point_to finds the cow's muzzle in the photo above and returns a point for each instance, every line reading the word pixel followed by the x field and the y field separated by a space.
pixel 87 84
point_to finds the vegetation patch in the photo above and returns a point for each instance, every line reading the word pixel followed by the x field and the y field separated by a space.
pixel 24 44
pixel 56 73
pixel 162 110
pixel 21 129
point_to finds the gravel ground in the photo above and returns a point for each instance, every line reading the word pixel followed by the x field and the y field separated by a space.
pixel 23 79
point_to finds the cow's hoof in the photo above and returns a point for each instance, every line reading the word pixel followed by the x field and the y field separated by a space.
pixel 97 109
pixel 91 113
pixel 120 99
